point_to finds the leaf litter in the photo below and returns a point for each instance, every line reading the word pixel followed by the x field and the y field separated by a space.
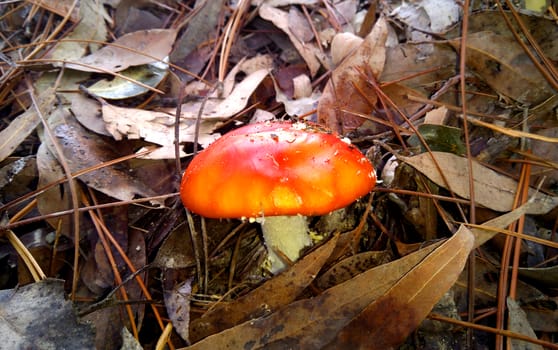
pixel 394 92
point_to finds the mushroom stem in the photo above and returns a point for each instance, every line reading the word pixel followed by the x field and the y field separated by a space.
pixel 284 236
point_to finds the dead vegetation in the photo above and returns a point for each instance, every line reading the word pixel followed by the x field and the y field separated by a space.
pixel 104 104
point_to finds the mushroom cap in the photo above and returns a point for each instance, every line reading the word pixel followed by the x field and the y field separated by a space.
pixel 272 169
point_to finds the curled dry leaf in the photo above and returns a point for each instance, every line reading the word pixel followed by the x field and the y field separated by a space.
pixel 158 127
pixel 155 127
pixel 492 190
pixel 132 49
pixel 343 94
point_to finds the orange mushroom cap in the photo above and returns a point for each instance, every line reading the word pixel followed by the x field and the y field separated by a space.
pixel 272 169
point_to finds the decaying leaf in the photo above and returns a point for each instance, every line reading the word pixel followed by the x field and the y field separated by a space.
pixel 155 127
pixel 60 7
pixel 54 199
pixel 504 66
pixel 119 88
pixel 82 149
pixel 518 323
pixel 37 316
pixel 133 49
pixel 352 266
pixel 91 26
pixel 313 323
pixel 275 293
pixel 343 93
pixel 492 190
pixel 177 302
pixel 281 20
pixel 386 322
pixel 14 134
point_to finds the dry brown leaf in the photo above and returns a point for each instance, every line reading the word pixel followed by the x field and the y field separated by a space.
pixel 88 112
pixel 60 7
pixel 281 20
pixel 18 130
pixel 492 190
pixel 299 26
pixel 352 266
pixel 91 26
pixel 312 323
pixel 54 199
pixel 202 24
pixel 391 318
pixel 83 149
pixel 345 89
pixel 504 66
pixel 277 292
pixel 156 43
pixel 501 222
pixel 342 45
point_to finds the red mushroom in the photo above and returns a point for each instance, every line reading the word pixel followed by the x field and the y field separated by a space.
pixel 279 172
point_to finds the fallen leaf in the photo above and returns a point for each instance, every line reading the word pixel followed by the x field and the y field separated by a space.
pixel 518 323
pixel 201 29
pixel 56 198
pixel 155 127
pixel 150 75
pixel 492 190
pixel 343 94
pixel 277 292
pixel 502 63
pixel 440 138
pixel 88 112
pixel 37 316
pixel 83 149
pixel 24 124
pixel 350 267
pixel 60 7
pixel 281 20
pixel 132 49
pixel 501 222
pixel 299 26
pixel 91 26
pixel 388 321
pixel 177 302
pixel 307 323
